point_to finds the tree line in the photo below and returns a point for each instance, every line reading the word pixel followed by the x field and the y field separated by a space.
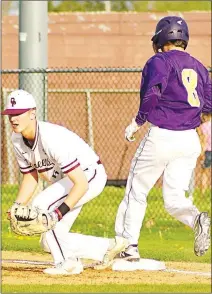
pixel 121 6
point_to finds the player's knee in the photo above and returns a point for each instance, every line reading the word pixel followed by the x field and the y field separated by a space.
pixel 175 206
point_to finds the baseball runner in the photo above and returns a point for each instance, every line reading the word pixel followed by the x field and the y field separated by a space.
pixel 175 90
pixel 76 176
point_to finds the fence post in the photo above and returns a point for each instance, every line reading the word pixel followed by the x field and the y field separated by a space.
pixel 45 96
pixel 90 120
pixel 33 40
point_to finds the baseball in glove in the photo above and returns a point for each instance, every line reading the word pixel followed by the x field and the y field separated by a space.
pixel 28 220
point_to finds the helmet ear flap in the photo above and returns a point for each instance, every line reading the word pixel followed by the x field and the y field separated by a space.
pixel 154 39
pixel 155 48
pixel 155 42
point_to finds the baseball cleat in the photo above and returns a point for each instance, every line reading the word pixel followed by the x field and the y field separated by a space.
pixel 202 234
pixel 130 254
pixel 68 267
pixel 117 245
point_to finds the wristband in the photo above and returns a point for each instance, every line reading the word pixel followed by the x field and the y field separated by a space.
pixel 62 210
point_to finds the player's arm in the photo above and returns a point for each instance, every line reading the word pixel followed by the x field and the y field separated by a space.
pixel 148 100
pixel 29 180
pixel 42 221
pixel 77 176
pixel 26 191
pixel 153 82
pixel 80 187
pixel 65 154
pixel 28 186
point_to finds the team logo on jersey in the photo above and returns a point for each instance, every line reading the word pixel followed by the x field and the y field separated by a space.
pixel 42 163
pixel 55 173
pixel 13 102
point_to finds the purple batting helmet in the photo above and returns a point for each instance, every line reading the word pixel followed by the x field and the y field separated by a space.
pixel 170 28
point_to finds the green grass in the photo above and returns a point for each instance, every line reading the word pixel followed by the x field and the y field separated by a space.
pixel 158 6
pixel 111 288
pixel 162 237
pixel 137 6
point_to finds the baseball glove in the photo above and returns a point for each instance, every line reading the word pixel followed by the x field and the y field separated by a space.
pixel 28 220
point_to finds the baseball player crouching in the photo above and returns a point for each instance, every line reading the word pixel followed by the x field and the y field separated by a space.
pixel 175 90
pixel 76 175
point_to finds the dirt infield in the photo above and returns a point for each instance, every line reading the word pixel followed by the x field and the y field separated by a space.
pixel 20 274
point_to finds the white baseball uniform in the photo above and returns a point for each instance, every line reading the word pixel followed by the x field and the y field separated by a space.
pixel 173 154
pixel 55 152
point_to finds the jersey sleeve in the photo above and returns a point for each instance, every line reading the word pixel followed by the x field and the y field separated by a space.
pixel 24 166
pixel 207 107
pixel 153 82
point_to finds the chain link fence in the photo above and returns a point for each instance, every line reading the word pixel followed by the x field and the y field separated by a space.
pixel 97 104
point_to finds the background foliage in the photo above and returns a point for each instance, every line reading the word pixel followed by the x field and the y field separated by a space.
pixel 137 6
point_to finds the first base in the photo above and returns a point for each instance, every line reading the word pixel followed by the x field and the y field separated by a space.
pixel 143 264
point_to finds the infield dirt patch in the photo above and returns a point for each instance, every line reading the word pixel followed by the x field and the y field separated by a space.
pixel 19 274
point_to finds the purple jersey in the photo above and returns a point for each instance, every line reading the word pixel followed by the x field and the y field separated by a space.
pixel 175 90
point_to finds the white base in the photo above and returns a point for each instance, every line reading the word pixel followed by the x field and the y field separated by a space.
pixel 143 264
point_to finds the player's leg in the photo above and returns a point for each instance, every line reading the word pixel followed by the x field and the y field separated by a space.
pixel 97 179
pixel 53 196
pixel 62 227
pixel 145 170
pixel 76 245
pixel 89 248
pixel 175 182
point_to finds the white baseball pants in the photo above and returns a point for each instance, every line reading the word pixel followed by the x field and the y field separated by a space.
pixel 61 243
pixel 171 153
